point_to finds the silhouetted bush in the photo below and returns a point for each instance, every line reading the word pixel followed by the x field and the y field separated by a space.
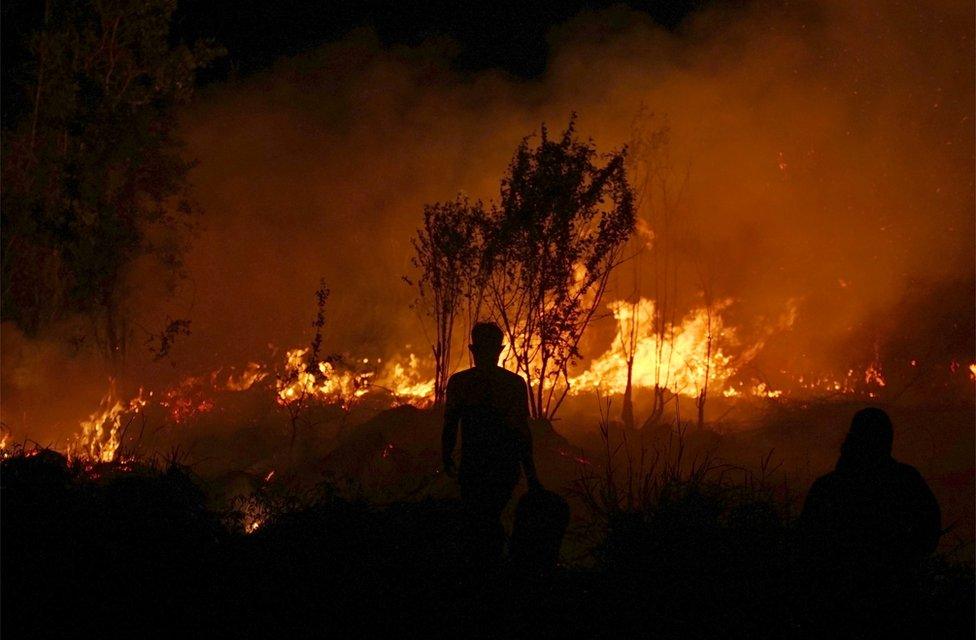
pixel 132 549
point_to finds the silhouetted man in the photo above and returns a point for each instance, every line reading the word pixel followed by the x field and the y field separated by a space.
pixel 867 524
pixel 491 406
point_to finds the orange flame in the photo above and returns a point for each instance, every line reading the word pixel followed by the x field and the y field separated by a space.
pixel 300 382
pixel 253 373
pixel 689 353
pixel 100 436
pixel 407 382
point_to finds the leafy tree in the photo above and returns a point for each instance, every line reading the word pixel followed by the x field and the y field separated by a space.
pixel 448 253
pixel 557 234
pixel 92 173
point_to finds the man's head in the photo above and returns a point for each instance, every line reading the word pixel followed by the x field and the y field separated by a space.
pixel 870 436
pixel 486 343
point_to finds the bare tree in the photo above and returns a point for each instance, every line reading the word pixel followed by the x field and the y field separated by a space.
pixel 661 188
pixel 629 338
pixel 704 255
pixel 706 280
pixel 448 252
pixel 555 238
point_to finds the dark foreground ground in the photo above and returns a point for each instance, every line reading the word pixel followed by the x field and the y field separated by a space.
pixel 136 552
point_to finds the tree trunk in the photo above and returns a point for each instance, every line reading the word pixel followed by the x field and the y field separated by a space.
pixel 627 414
pixel 657 409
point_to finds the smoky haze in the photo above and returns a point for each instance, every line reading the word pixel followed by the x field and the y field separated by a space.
pixel 828 149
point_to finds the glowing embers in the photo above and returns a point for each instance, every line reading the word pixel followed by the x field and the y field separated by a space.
pixel 326 382
pixel 408 383
pixel 189 398
pixel 758 390
pixel 873 375
pixel 301 381
pixel 101 434
pixel 252 374
pixel 681 359
pixel 323 382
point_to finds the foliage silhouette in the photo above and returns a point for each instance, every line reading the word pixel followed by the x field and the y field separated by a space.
pixel 115 549
pixel 93 178
pixel 557 234
pixel 448 252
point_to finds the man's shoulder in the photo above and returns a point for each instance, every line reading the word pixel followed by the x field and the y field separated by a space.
pixel 463 379
pixel 512 377
pixel 461 376
pixel 828 482
pixel 907 473
pixel 474 374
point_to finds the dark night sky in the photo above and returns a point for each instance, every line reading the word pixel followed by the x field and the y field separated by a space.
pixel 487 34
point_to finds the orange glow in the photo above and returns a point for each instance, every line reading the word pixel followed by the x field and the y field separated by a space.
pixel 407 382
pixel 680 364
pixel 873 375
pixel 299 381
pixel 254 372
pixel 100 435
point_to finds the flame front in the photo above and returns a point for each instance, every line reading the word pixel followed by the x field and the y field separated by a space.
pixel 319 381
pixel 324 381
pixel 100 435
pixel 408 383
pixel 689 354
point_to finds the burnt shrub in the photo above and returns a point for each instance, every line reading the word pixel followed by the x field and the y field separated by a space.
pixel 87 548
pixel 131 549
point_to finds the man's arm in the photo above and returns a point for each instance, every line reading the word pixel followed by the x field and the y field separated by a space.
pixel 525 435
pixel 452 419
pixel 815 519
pixel 928 528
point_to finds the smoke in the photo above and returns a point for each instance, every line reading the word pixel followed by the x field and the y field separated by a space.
pixel 828 148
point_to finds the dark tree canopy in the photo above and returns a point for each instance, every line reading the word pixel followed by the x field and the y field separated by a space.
pixel 537 262
pixel 564 216
pixel 92 172
pixel 448 251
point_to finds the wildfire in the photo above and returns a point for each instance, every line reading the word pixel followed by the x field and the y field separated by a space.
pixel 687 356
pixel 100 435
pixel 319 381
pixel 324 382
pixel 408 383
pixel 253 373
pixel 695 352
pixel 689 353
pixel 188 398
pixel 873 375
